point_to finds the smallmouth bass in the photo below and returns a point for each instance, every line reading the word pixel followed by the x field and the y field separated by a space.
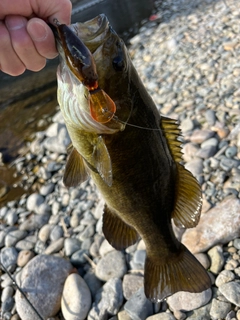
pixel 131 152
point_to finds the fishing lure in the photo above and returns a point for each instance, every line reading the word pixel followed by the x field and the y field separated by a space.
pixel 81 62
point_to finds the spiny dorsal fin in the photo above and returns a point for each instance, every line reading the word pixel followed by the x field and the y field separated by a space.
pixel 102 161
pixel 172 133
pixel 75 170
pixel 188 199
pixel 119 234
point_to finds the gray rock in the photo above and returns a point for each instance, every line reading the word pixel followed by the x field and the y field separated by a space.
pixel 231 292
pixel 203 259
pixel 216 258
pixel 44 232
pixel 87 233
pixel 219 309
pixel 34 201
pixel 131 284
pixel 24 257
pixel 138 306
pixel 56 233
pixel 187 125
pixel 44 208
pixel 34 222
pixel 14 236
pixel 139 257
pixel 186 301
pixel 236 243
pixel 105 248
pixel 26 244
pixel 224 277
pixel 231 151
pixel 108 300
pixel 9 258
pixel 71 245
pixel 210 117
pixel 53 129
pixel 210 142
pixel 195 166
pixel 92 281
pixel 227 164
pixel 76 298
pixel 11 217
pixel 7 292
pixel 7 305
pixel 78 257
pixel 199 136
pixel 52 271
pixel 220 225
pixel 112 265
pixel 206 152
pixel 55 246
pixel 162 316
pixel 46 189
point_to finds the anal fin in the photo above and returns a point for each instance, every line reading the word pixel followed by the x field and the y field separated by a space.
pixel 75 170
pixel 119 234
pixel 179 272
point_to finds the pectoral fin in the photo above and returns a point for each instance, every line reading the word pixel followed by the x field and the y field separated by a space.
pixel 75 170
pixel 188 200
pixel 102 161
pixel 119 234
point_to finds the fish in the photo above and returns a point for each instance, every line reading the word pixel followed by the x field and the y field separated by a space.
pixel 131 152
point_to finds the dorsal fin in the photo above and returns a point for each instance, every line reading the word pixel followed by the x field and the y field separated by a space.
pixel 188 200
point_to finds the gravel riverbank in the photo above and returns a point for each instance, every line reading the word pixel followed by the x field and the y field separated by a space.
pixel 190 65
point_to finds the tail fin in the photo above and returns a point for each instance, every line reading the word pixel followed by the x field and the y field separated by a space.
pixel 181 272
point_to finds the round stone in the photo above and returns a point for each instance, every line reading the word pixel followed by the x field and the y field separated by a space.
pixel 112 265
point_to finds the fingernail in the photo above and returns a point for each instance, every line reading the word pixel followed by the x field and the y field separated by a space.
pixel 15 23
pixel 38 31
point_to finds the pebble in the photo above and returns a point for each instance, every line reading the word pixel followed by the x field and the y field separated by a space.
pixel 131 284
pixel 231 291
pixel 186 301
pixel 34 201
pixel 55 246
pixel 52 271
pixel 217 259
pixel 224 277
pixel 71 245
pixel 9 258
pixel 219 225
pixel 112 265
pixel 108 300
pixel 76 298
pixel 162 316
pixel 219 309
pixel 138 306
pixel 14 236
pixel 24 257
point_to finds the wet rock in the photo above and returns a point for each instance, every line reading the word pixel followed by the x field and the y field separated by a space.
pixel 52 272
pixel 76 298
pixel 220 225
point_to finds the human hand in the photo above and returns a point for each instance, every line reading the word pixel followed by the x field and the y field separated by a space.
pixel 26 41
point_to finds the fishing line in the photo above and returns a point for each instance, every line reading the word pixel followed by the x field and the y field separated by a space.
pixel 22 292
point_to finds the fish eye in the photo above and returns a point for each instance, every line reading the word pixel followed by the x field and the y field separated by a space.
pixel 118 63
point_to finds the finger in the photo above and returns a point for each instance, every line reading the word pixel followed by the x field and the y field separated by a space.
pixel 59 9
pixel 42 38
pixel 23 44
pixel 9 61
